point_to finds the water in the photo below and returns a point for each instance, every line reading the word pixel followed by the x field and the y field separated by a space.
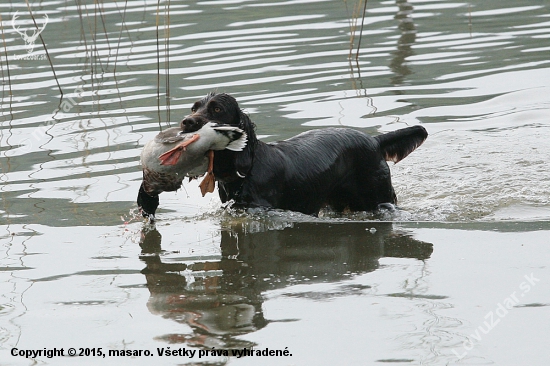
pixel 80 269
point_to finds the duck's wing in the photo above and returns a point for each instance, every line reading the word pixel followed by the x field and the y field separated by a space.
pixel 172 136
pixel 172 156
pixel 234 137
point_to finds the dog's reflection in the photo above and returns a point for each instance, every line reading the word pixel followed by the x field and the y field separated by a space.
pixel 222 299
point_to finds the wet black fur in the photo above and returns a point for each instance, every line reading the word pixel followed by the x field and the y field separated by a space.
pixel 147 203
pixel 340 167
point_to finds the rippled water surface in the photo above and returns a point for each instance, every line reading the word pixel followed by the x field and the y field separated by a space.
pixel 458 275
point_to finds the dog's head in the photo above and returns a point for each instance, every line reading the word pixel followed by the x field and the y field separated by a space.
pixel 216 108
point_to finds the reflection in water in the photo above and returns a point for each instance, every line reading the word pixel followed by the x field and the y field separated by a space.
pixel 222 299
pixel 407 38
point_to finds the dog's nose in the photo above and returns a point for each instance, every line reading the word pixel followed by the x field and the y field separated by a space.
pixel 191 124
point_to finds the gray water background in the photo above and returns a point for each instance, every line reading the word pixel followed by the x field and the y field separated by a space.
pixel 80 269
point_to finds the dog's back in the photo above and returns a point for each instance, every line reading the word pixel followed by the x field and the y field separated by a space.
pixel 340 167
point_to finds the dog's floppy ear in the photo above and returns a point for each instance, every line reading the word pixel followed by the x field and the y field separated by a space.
pixel 244 159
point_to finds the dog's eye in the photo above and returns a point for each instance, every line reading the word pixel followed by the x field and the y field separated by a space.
pixel 217 109
pixel 193 109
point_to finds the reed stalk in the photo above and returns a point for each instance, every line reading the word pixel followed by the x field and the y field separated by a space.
pixel 7 61
pixel 45 48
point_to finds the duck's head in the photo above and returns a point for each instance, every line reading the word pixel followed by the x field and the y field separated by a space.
pixel 147 203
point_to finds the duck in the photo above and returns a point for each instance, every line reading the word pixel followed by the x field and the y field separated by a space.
pixel 175 154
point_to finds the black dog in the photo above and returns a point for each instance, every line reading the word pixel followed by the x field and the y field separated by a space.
pixel 339 167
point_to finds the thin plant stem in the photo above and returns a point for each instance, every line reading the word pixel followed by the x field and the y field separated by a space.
pixel 167 59
pixel 158 63
pixel 361 31
pixel 7 61
pixel 45 48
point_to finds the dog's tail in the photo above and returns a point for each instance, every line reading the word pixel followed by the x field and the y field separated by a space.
pixel 398 144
